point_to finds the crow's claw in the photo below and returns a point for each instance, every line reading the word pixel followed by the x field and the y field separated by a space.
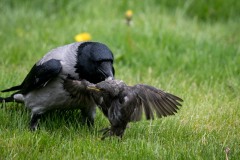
pixel 106 132
pixel 104 129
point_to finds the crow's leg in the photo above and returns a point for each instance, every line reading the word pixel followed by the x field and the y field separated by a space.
pixel 34 121
pixel 88 115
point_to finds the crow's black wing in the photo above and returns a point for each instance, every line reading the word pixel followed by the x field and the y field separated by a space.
pixel 151 101
pixel 38 76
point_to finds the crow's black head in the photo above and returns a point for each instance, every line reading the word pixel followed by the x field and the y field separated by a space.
pixel 94 62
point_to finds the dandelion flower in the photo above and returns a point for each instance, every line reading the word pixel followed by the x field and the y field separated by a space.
pixel 128 16
pixel 83 37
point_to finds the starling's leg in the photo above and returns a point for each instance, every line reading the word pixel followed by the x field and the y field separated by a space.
pixel 88 115
pixel 34 121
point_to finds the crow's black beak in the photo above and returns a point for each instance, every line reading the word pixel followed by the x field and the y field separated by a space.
pixel 106 70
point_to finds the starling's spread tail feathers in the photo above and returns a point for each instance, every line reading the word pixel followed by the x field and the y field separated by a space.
pixel 12 89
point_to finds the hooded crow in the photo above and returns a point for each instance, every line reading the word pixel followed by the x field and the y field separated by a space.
pixel 122 104
pixel 42 88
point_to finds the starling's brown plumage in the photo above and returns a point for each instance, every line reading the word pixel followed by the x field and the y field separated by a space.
pixel 121 103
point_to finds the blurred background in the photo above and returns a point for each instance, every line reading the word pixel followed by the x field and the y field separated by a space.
pixel 190 48
pixel 163 36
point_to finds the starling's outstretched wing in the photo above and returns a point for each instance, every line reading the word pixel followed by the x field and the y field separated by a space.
pixel 78 90
pixel 39 76
pixel 151 101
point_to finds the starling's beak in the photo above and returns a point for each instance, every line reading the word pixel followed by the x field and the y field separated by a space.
pixel 93 88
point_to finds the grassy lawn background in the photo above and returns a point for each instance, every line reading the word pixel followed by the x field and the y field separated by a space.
pixel 190 48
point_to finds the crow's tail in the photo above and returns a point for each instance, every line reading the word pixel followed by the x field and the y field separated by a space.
pixel 12 88
pixel 7 99
pixel 10 99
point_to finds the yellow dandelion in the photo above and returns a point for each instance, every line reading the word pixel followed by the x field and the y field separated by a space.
pixel 83 37
pixel 129 14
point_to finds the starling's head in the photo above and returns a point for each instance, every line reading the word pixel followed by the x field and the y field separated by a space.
pixel 111 86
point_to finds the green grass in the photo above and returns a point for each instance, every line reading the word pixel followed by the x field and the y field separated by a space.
pixel 178 47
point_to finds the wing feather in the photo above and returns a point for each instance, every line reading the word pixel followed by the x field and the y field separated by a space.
pixel 153 101
pixel 38 76
pixel 76 88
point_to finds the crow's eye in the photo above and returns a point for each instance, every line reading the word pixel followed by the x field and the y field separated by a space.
pixel 98 62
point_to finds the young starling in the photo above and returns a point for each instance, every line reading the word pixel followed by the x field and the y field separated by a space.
pixel 122 104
